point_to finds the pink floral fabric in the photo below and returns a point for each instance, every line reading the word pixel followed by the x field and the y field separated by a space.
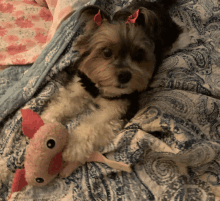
pixel 24 25
pixel 27 26
pixel 42 3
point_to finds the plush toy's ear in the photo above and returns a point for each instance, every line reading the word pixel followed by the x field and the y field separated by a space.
pixel 98 157
pixel 19 181
pixel 95 157
pixel 31 122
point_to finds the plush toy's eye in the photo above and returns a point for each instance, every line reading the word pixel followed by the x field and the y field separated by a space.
pixel 39 180
pixel 51 144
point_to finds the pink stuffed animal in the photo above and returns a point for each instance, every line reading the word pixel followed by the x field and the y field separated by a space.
pixel 43 158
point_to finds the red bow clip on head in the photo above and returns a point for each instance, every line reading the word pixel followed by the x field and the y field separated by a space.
pixel 98 18
pixel 133 18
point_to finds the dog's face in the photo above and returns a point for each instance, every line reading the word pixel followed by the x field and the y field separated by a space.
pixel 117 57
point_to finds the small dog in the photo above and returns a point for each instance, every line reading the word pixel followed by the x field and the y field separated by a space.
pixel 118 58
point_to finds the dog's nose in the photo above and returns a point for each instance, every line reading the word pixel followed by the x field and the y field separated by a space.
pixel 124 77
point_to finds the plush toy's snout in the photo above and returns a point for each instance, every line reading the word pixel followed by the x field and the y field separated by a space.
pixel 43 159
pixel 43 156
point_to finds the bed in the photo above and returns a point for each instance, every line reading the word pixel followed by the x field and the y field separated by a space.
pixel 172 143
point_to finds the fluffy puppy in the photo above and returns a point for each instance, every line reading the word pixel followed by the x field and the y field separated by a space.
pixel 118 58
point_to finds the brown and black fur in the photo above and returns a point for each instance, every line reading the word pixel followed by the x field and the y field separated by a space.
pixel 116 64
pixel 156 22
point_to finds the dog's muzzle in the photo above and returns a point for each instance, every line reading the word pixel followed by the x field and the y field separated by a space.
pixel 124 77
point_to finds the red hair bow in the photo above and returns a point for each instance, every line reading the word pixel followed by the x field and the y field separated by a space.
pixel 133 18
pixel 98 18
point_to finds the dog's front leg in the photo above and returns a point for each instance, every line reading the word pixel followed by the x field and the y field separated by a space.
pixel 67 103
pixel 97 130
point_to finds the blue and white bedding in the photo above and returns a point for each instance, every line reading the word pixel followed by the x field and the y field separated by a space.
pixel 173 143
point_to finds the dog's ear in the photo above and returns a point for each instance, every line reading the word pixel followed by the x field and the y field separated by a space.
pixel 94 14
pixel 148 20
pixel 91 18
pixel 163 31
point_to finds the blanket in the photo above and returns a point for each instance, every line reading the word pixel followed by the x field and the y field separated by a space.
pixel 27 26
pixel 172 143
pixel 24 25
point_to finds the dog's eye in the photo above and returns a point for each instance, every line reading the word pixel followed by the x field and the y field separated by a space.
pixel 107 53
pixel 139 55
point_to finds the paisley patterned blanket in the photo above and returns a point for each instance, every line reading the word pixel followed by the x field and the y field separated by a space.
pixel 173 143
